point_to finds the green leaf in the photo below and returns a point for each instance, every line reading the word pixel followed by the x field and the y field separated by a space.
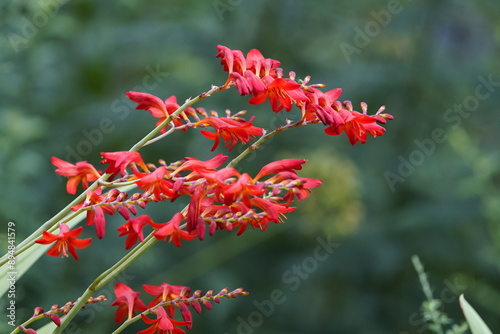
pixel 47 329
pixel 22 263
pixel 25 260
pixel 476 324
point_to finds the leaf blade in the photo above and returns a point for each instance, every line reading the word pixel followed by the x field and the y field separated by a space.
pixel 476 324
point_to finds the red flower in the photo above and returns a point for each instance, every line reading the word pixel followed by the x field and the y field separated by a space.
pixel 245 216
pixel 232 60
pixel 357 126
pixel 163 324
pixel 128 302
pixel 194 222
pixel 65 241
pixel 230 130
pixel 259 65
pixel 280 166
pixel 166 292
pixel 158 108
pixel 81 172
pixel 281 93
pixel 95 215
pixel 172 229
pixel 242 189
pixel 219 177
pixel 119 161
pixel 249 83
pixel 194 164
pixel 275 211
pixel 155 183
pixel 299 186
pixel 133 227
pixel 320 106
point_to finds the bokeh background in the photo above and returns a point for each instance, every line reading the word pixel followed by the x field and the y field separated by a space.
pixel 429 186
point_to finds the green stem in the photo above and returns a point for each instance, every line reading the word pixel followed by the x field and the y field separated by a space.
pixel 426 288
pixel 188 103
pixel 175 301
pixel 262 139
pixel 106 277
pixel 29 241
pixel 26 323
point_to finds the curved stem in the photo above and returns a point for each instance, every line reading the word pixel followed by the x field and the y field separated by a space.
pixel 188 103
pixel 263 138
pixel 29 241
pixel 163 135
pixel 26 323
pixel 106 277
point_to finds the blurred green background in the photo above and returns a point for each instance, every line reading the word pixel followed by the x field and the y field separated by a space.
pixel 429 186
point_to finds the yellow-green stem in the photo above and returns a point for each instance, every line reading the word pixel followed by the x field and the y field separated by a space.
pixel 261 140
pixel 106 277
pixel 29 241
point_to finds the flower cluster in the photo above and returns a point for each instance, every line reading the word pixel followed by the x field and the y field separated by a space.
pixel 262 78
pixel 167 299
pixel 219 197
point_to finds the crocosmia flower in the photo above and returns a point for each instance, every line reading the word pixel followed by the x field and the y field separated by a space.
pixel 357 126
pixel 194 164
pixel 163 324
pixel 128 302
pixel 166 292
pixel 232 60
pixel 173 231
pixel 82 172
pixel 280 166
pixel 133 228
pixel 66 241
pixel 155 183
pixel 230 130
pixel 158 108
pixel 119 161
pixel 95 215
pixel 281 93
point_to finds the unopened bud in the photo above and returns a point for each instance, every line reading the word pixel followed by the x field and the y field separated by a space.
pixel 38 310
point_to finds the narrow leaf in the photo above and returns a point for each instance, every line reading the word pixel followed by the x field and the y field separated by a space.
pixel 476 324
pixel 47 329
